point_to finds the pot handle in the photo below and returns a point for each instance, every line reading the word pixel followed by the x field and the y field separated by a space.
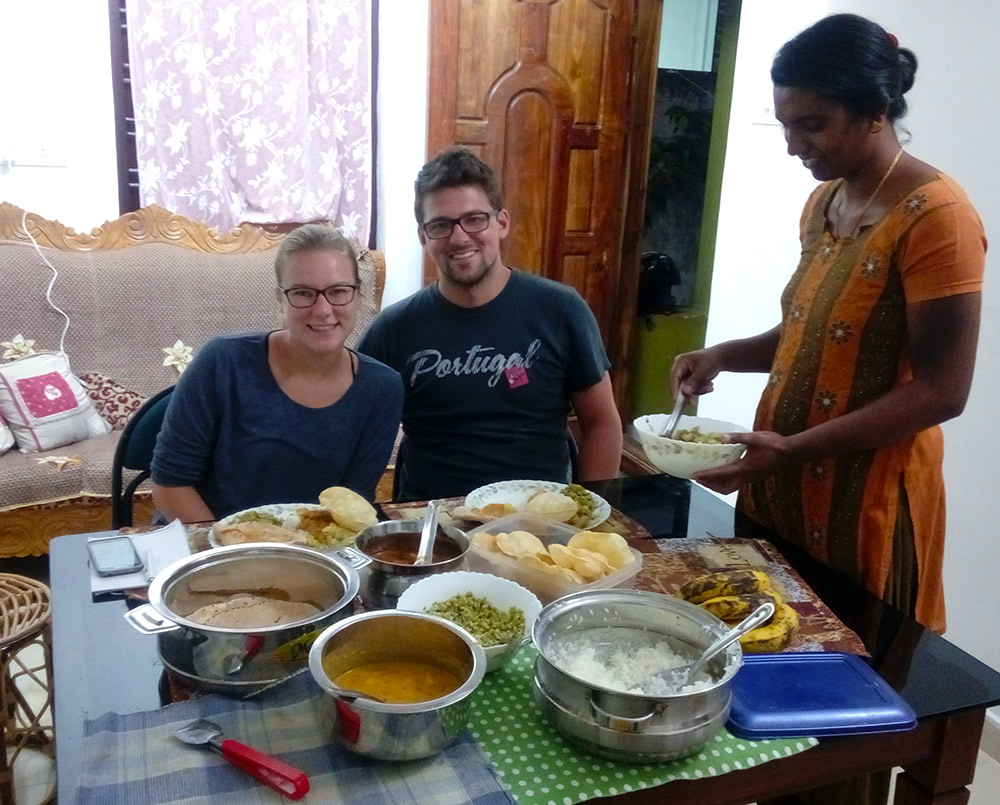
pixel 620 723
pixel 147 620
pixel 355 558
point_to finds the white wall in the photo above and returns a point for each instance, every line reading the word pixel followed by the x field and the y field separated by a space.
pixel 954 115
pixel 955 111
pixel 402 139
pixel 58 110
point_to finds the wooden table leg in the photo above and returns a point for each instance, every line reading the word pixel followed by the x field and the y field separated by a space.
pixel 942 779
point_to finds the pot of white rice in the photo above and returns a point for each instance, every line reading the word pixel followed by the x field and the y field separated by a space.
pixel 609 673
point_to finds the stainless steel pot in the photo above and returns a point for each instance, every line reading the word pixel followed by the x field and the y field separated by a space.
pixel 241 660
pixel 396 731
pixel 383 582
pixel 627 726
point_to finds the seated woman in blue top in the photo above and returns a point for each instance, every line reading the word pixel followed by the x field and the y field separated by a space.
pixel 278 417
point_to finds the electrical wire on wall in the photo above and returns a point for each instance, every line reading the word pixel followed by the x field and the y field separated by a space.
pixel 52 282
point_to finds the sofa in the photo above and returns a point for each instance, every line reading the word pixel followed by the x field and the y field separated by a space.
pixel 142 294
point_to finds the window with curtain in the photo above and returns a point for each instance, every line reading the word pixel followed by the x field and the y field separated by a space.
pixel 254 110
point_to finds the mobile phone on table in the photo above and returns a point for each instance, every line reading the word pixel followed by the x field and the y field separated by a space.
pixel 114 556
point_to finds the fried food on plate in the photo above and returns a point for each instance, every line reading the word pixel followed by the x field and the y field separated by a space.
pixel 348 508
pixel 552 506
pixel 251 531
pixel 491 511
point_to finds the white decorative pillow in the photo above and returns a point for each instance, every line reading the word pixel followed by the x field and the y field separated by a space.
pixel 45 405
pixel 6 437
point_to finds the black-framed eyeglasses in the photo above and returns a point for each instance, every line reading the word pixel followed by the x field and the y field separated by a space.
pixel 337 295
pixel 471 223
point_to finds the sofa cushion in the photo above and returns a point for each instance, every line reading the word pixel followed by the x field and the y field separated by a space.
pixel 45 405
pixel 66 472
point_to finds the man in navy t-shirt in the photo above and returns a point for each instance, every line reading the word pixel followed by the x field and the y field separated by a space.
pixel 492 359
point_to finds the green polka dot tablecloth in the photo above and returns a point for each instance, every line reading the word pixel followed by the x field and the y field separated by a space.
pixel 537 765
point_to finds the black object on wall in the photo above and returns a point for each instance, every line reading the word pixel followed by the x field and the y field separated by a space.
pixel 658 274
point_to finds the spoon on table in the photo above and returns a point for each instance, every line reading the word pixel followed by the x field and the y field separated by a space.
pixel 283 778
pixel 677 677
pixel 425 552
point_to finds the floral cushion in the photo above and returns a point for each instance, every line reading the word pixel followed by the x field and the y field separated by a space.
pixel 113 401
pixel 45 405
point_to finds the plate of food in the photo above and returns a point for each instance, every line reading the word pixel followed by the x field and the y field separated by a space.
pixel 331 523
pixel 558 502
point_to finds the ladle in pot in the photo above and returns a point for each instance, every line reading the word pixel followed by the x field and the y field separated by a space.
pixel 425 553
pixel 677 677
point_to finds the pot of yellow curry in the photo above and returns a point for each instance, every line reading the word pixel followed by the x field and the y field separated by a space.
pixel 397 683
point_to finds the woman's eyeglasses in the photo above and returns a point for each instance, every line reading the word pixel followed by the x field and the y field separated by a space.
pixel 471 223
pixel 336 295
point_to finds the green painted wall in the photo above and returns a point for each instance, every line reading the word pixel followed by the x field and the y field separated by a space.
pixel 659 339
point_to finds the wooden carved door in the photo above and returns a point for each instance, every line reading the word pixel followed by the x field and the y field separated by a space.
pixel 539 89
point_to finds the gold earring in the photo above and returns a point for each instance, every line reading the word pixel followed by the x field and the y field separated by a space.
pixel 875 127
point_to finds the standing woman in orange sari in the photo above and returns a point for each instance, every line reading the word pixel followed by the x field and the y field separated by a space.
pixel 878 334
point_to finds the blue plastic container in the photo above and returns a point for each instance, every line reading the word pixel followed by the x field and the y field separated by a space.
pixel 818 694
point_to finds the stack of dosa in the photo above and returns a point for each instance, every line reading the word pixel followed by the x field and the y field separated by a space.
pixel 252 612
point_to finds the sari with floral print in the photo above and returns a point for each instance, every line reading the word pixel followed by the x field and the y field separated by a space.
pixel 876 516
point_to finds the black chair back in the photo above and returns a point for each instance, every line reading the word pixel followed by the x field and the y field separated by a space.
pixel 574 463
pixel 135 452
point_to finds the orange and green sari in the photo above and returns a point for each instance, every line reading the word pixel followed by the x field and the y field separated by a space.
pixel 876 516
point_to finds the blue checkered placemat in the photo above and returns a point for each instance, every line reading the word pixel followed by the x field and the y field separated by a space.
pixel 135 759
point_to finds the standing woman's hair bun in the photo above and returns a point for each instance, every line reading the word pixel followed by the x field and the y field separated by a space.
pixel 851 61
pixel 906 64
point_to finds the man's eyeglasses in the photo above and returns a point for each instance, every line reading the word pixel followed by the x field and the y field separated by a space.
pixel 336 295
pixel 471 223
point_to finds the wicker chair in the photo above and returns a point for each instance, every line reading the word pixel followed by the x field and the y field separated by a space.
pixel 24 620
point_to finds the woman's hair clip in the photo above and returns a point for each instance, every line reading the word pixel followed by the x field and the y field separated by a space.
pixel 893 40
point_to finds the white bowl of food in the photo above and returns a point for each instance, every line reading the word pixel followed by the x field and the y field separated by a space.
pixel 695 447
pixel 484 605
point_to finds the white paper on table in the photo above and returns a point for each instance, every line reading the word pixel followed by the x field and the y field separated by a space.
pixel 157 549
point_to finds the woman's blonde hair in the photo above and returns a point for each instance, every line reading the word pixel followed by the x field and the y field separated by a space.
pixel 315 237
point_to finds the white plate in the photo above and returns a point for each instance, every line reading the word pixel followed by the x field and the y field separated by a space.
pixel 280 510
pixel 516 493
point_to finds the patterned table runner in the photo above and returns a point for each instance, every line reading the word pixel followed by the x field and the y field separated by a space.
pixel 680 560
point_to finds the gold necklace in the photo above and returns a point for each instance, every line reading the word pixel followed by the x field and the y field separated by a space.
pixel 871 198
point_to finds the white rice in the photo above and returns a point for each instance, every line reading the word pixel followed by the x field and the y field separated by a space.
pixel 627 660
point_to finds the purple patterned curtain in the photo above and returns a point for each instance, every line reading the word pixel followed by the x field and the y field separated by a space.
pixel 255 110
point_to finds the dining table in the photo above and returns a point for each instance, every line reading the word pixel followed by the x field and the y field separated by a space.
pixel 103 665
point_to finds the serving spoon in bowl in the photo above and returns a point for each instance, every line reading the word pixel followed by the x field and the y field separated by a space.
pixel 684 674
pixel 425 553
pixel 669 429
